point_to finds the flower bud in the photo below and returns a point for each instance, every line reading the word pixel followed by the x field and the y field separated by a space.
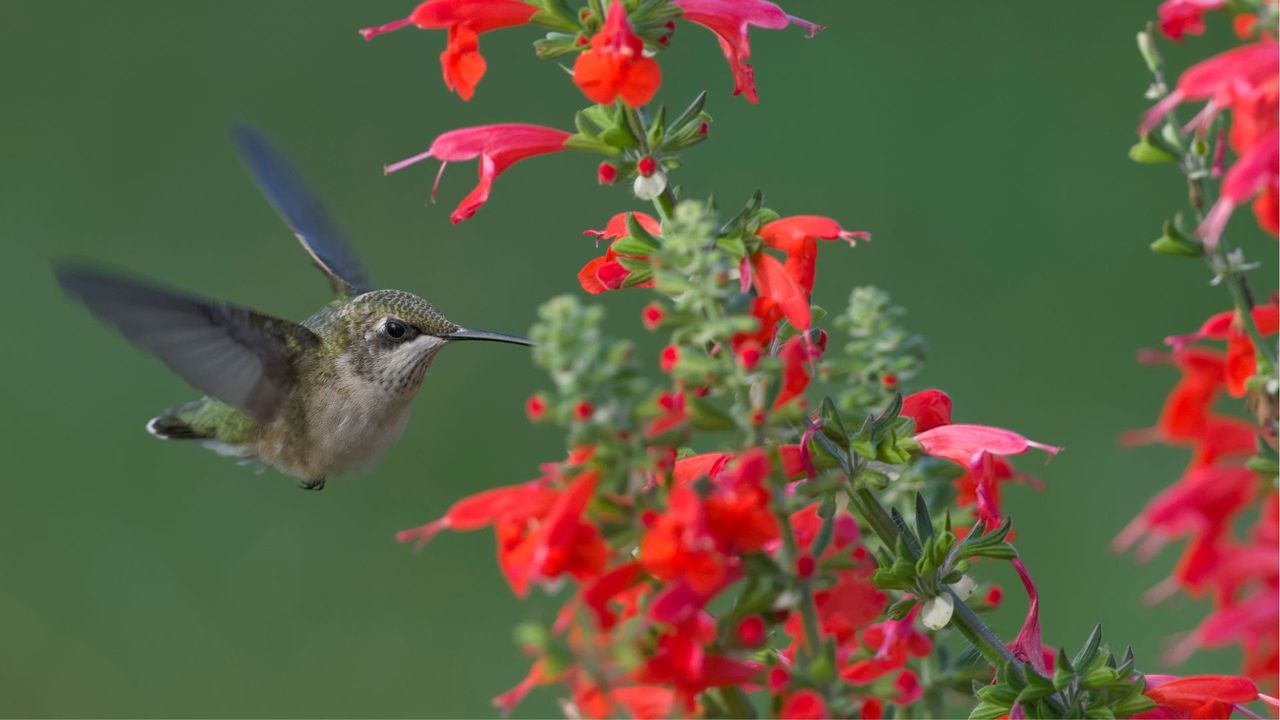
pixel 582 411
pixel 648 188
pixel 535 407
pixel 936 611
pixel 805 567
pixel 749 354
pixel 751 631
pixel 652 316
pixel 670 356
pixel 646 166
pixel 606 173
pixel 964 587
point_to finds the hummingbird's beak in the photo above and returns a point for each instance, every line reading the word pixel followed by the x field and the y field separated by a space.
pixel 469 334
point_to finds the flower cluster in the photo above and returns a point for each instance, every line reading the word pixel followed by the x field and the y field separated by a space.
pixel 719 539
pixel 1232 475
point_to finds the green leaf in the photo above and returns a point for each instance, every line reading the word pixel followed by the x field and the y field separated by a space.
pixel 632 247
pixel 590 144
pixel 657 126
pixel 556 14
pixel 924 523
pixel 1147 153
pixel 691 114
pixel 636 230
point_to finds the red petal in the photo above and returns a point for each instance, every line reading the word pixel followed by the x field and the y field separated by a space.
pixel 773 281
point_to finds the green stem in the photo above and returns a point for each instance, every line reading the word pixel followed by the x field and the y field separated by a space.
pixel 665 203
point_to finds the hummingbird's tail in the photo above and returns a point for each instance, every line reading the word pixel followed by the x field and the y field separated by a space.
pixel 168 427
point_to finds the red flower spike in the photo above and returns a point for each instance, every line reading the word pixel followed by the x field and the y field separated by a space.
pixel 535 407
pixel 929 408
pixel 730 20
pixel 1178 17
pixel 498 147
pixel 804 705
pixel 461 62
pixel 616 66
pixel 606 173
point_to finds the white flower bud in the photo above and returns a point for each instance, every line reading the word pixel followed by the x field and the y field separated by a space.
pixel 964 587
pixel 936 611
pixel 648 188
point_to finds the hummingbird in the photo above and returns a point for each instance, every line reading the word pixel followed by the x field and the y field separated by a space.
pixel 315 399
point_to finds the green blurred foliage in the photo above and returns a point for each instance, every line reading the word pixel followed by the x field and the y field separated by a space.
pixel 983 143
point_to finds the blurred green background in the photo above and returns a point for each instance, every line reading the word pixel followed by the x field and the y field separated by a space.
pixel 983 144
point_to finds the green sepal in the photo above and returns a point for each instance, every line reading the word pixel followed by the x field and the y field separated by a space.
pixel 1149 153
pixel 1172 242
pixel 691 115
pixel 620 136
pixel 632 246
pixel 555 45
pixel 998 694
pixel 635 264
pixel 924 523
pixel 657 126
pixel 1085 658
pixel 899 609
pixel 637 231
pixel 988 711
pixel 636 277
pixel 586 143
pixel 556 14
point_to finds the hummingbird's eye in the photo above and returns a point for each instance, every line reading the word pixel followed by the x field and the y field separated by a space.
pixel 394 329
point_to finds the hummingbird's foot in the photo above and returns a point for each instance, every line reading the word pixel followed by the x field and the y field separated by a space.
pixel 317 484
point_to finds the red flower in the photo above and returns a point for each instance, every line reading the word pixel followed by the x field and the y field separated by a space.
pixel 677 545
pixel 498 147
pixel 795 355
pixel 462 63
pixel 1246 80
pixel 750 631
pixel 1203 696
pixel 616 65
pixel 767 313
pixel 1241 360
pixel 966 444
pixel 929 408
pixel 673 414
pixel 894 643
pixel 730 20
pixel 483 509
pixel 737 510
pixel 804 705
pixel 543 548
pixel 790 285
pixel 1185 16
pixel 607 272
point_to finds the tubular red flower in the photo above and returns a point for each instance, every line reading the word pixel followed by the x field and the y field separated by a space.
pixel 730 20
pixel 1202 695
pixel 616 66
pixel 790 285
pixel 461 62
pixel 1185 16
pixel 965 444
pixel 483 509
pixel 804 705
pixel 607 273
pixel 498 147
pixel 795 374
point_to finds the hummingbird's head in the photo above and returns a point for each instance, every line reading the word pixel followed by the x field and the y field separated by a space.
pixel 394 335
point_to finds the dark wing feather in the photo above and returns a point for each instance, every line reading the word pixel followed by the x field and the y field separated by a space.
pixel 302 211
pixel 233 354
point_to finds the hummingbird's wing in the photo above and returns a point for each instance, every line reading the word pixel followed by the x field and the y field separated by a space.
pixel 233 354
pixel 302 211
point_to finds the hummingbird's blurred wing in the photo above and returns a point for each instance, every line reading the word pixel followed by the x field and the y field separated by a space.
pixel 232 353
pixel 302 211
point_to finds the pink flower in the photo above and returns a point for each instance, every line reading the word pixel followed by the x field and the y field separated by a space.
pixel 498 147
pixel 1255 172
pixel 462 63
pixel 966 444
pixel 729 20
pixel 1185 16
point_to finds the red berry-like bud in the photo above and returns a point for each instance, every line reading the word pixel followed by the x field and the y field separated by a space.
pixel 671 25
pixel 649 517
pixel 670 356
pixel 994 596
pixel 805 567
pixel 646 166
pixel 749 354
pixel 652 316
pixel 751 631
pixel 889 380
pixel 821 342
pixel 703 128
pixel 582 41
pixel 606 173
pixel 778 679
pixel 583 410
pixel 757 417
pixel 535 407
pixel 664 40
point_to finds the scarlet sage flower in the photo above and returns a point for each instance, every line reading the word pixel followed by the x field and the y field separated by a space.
pixel 730 20
pixel 608 272
pixel 616 65
pixel 790 285
pixel 498 147
pixel 1199 696
pixel 1185 16
pixel 1246 80
pixel 1241 359
pixel 466 20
